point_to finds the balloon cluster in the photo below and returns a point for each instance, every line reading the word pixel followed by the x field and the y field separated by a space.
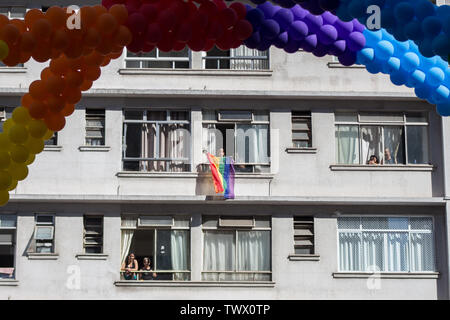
pixel 314 6
pixel 406 66
pixel 426 24
pixel 291 29
pixel 170 25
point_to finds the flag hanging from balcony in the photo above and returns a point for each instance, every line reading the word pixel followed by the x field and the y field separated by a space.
pixel 222 170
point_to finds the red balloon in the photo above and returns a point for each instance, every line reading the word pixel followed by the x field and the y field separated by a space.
pixel 209 45
pixel 179 46
pixel 136 44
pixel 225 41
pixel 166 42
pixel 184 32
pixel 137 23
pixel 243 30
pixel 154 33
pixel 197 42
pixel 149 11
pixel 167 20
pixel 228 17
pixel 240 10
pixel 215 30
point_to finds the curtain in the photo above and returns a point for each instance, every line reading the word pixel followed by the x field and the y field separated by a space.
pixel 393 145
pixel 422 255
pixel 417 137
pixel 219 255
pixel 126 237
pixel 371 143
pixel 347 144
pixel 213 140
pixel 253 254
pixel 179 253
pixel 373 251
pixel 397 251
pixel 252 144
pixel 246 63
pixel 349 251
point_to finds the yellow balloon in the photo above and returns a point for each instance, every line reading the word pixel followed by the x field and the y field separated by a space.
pixel 4 197
pixel 48 135
pixel 37 128
pixel 19 153
pixel 5 143
pixel 4 50
pixel 30 159
pixel 5 180
pixel 13 185
pixel 18 133
pixel 5 159
pixel 7 125
pixel 21 115
pixel 18 171
pixel 34 146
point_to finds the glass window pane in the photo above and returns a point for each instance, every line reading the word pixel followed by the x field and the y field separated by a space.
pixel 175 54
pixel 260 116
pixel 349 223
pixel 422 252
pixel 416 117
pixel 181 222
pixel 371 143
pixel 7 221
pixel 252 144
pixel 172 250
pixel 157 115
pixel 394 149
pixel 253 251
pixel 346 117
pixel 157 64
pixel 133 140
pixel 373 251
pixel 421 223
pixel 262 222
pixel 209 115
pixel 133 64
pixel 417 137
pixel 374 223
pixel 133 115
pixel 397 251
pixel 347 144
pixel 349 251
pixel 219 251
pixel 299 135
pixel 210 221
pixel 380 117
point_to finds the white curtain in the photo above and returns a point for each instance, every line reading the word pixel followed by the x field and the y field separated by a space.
pixel 393 142
pixel 349 251
pixel 219 255
pixel 373 247
pixel 179 253
pixel 371 143
pixel 126 237
pixel 422 255
pixel 347 144
pixel 397 255
pixel 252 144
pixel 212 140
pixel 246 63
pixel 253 254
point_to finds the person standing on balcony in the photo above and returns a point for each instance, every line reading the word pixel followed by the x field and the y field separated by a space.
pixel 129 266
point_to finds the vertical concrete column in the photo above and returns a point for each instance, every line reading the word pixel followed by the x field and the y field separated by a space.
pixel 446 182
pixel 196 247
pixel 196 60
pixel 196 137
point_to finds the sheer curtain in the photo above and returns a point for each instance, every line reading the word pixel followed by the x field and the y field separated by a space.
pixel 246 63
pixel 393 142
pixel 371 143
pixel 126 237
pixel 219 255
pixel 179 253
pixel 252 144
pixel 212 140
pixel 397 255
pixel 347 144
pixel 349 251
pixel 373 251
pixel 422 254
pixel 253 254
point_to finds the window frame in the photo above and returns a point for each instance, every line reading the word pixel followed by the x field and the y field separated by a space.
pixel 307 116
pixel 233 56
pixel 51 224
pixel 13 245
pixel 102 234
pixel 409 231
pixel 157 58
pixel 99 117
pixel 404 124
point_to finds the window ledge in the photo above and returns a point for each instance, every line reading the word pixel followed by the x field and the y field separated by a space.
pixel 13 70
pixel 387 275
pixel 304 257
pixel 91 256
pixel 53 148
pixel 339 65
pixel 301 150
pixel 94 148
pixel 243 175
pixel 362 167
pixel 137 174
pixel 195 72
pixel 168 283
pixel 43 256
pixel 9 282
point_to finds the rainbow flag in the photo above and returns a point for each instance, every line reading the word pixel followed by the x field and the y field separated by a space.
pixel 222 170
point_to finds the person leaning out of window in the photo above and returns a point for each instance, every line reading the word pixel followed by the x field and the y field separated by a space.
pixel 147 273
pixel 129 266
pixel 373 160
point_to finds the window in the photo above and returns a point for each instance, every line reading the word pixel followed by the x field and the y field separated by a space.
pixel 93 234
pixel 53 141
pixel 301 129
pixel 304 235
pixel 95 127
pixel 159 59
pixel 394 138
pixel 241 58
pixel 7 245
pixel 156 141
pixel 167 246
pixel 243 135
pixel 391 244
pixel 236 248
pixel 5 114
pixel 13 12
pixel 44 233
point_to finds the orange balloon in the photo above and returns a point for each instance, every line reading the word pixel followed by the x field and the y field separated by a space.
pixel 95 58
pixel 57 16
pixel 27 42
pixel 72 95
pixel 107 24
pixel 26 100
pixel 38 109
pixel 92 38
pixel 3 21
pixel 87 51
pixel 55 84
pixel 68 110
pixel 123 36
pixel 46 73
pixel 88 17
pixel 105 62
pixel 55 103
pixel 10 34
pixel 60 65
pixel 76 64
pixel 38 90
pixel 74 78
pixel 55 53
pixel 105 46
pixel 42 29
pixel 60 39
pixel 14 56
pixel 99 10
pixel 92 73
pixel 115 55
pixel 55 121
pixel 119 12
pixel 24 57
pixel 20 24
pixel 32 16
pixel 86 85
pixel 42 52
pixel 75 49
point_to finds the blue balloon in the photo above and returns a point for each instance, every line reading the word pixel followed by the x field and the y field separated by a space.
pixel 431 26
pixel 413 30
pixel 270 29
pixel 404 11
pixel 410 62
pixel 365 56
pixel 435 76
pixel 423 9
pixel 398 78
pixel 416 79
pixel 384 50
pixel 255 17
pixel 298 30
pixel 444 109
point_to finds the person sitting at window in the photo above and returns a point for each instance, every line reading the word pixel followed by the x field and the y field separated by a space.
pixel 129 266
pixel 387 157
pixel 146 267
pixel 373 160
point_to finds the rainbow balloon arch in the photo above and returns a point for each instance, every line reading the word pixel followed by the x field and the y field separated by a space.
pixel 412 47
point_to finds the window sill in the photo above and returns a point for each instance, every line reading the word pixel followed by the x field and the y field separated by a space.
pixel 339 65
pixel 301 150
pixel 91 256
pixel 13 70
pixel 386 275
pixel 53 148
pixel 243 175
pixel 362 167
pixel 9 282
pixel 43 256
pixel 137 174
pixel 195 72
pixel 304 257
pixel 168 283
pixel 94 148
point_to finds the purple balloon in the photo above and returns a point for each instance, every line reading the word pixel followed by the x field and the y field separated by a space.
pixel 343 28
pixel 320 50
pixel 329 18
pixel 254 40
pixel 310 43
pixel 299 12
pixel 314 22
pixel 292 46
pixel 347 58
pixel 268 9
pixel 284 17
pixel 357 26
pixel 338 47
pixel 281 41
pixel 270 29
pixel 298 30
pixel 356 41
pixel 327 34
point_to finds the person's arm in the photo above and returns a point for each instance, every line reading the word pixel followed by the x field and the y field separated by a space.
pixel 154 275
pixel 123 267
pixel 136 265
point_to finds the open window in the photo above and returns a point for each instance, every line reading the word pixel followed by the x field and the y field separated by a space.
pixel 44 233
pixel 7 246
pixel 241 58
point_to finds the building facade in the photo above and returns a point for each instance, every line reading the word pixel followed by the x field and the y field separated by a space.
pixel 342 183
